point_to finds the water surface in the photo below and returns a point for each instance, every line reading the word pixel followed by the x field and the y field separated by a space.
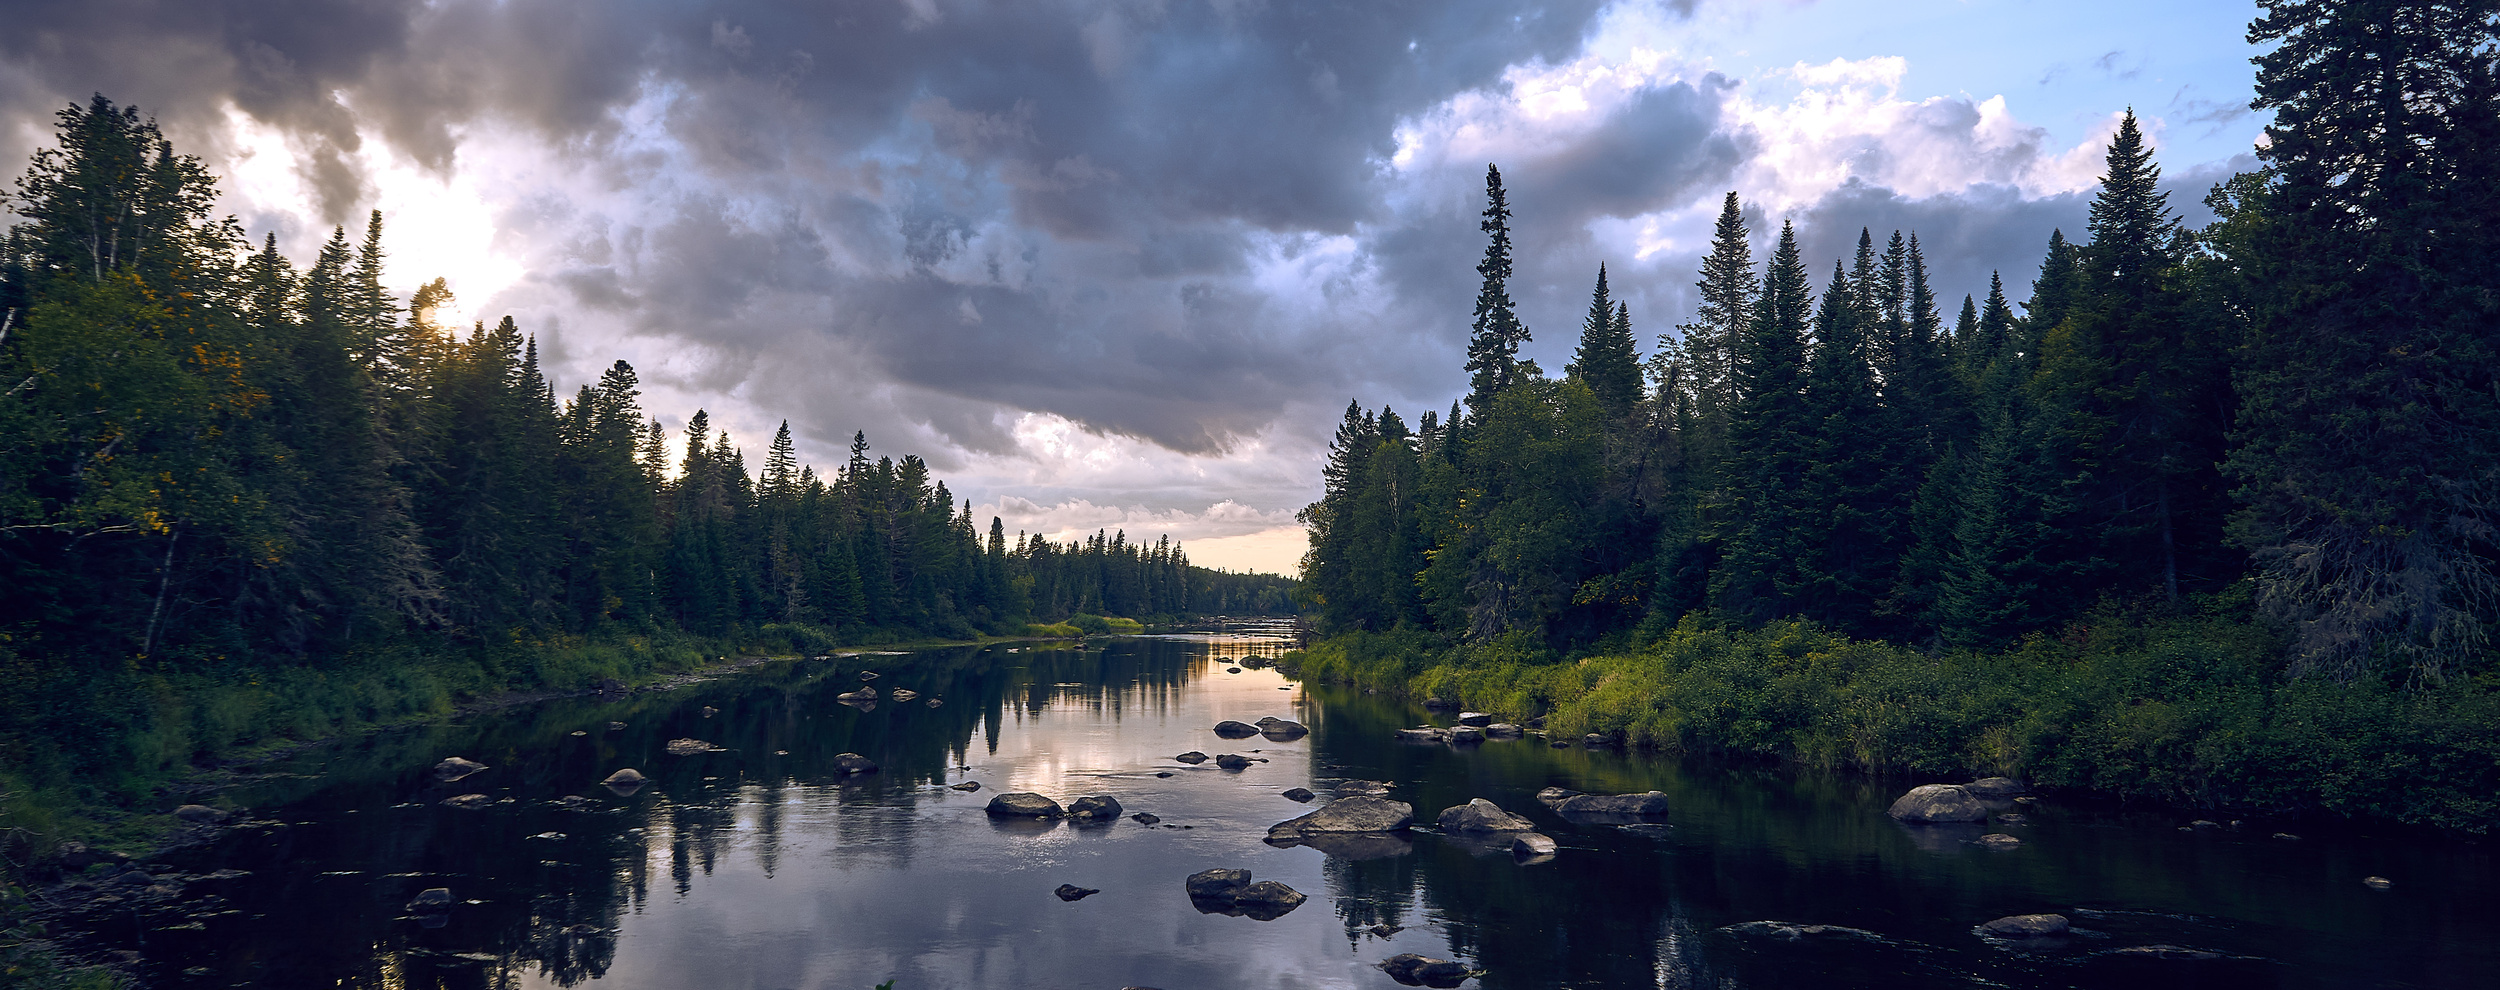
pixel 760 866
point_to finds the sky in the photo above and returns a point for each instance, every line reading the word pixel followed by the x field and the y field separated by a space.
pixel 1122 264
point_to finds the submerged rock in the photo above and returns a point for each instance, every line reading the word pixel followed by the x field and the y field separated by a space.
pixel 1361 788
pixel 1095 806
pixel 1424 734
pixel 1480 815
pixel 1302 794
pixel 1192 757
pixel 2026 926
pixel 1929 804
pixel 851 764
pixel 1424 971
pixel 468 802
pixel 1553 797
pixel 453 768
pixel 905 694
pixel 1647 806
pixel 690 747
pixel 1024 804
pixel 1146 818
pixel 969 785
pixel 863 694
pixel 433 900
pixel 1996 840
pixel 1233 761
pixel 1072 892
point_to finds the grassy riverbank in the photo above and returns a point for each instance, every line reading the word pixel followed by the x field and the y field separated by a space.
pixel 2184 710
pixel 95 752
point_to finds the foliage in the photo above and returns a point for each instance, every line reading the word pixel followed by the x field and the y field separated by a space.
pixel 2176 708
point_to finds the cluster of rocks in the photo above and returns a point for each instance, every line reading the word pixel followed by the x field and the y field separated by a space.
pixel 1026 804
pixel 1276 729
pixel 1230 892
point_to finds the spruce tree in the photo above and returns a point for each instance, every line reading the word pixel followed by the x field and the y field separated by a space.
pixel 1606 361
pixel 1493 343
pixel 1769 432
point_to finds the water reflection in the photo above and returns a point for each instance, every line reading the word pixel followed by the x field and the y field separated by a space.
pixel 780 870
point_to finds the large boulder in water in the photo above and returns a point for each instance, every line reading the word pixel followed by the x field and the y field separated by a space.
pixel 1231 729
pixel 1532 846
pixel 1024 804
pixel 1929 804
pixel 1095 806
pixel 1346 815
pixel 1480 815
pixel 453 768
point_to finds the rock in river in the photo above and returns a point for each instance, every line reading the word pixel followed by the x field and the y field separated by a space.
pixel 1216 884
pixel 1424 971
pixel 1024 804
pixel 1503 730
pixel 1532 845
pixel 905 694
pixel 1072 892
pixel 863 694
pixel 1282 729
pixel 1477 719
pixel 1649 806
pixel 1346 815
pixel 1480 815
pixel 453 768
pixel 969 785
pixel 1192 757
pixel 628 777
pixel 848 764
pixel 1997 840
pixel 1267 900
pixel 1229 891
pixel 468 802
pixel 1466 735
pixel 690 747
pixel 1302 794
pixel 2026 926
pixel 432 900
pixel 1094 806
pixel 1929 804
pixel 1233 761
pixel 1231 729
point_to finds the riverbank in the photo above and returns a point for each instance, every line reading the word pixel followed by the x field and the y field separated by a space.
pixel 2190 711
pixel 100 756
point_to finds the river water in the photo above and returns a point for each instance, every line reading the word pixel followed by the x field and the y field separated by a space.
pixel 760 866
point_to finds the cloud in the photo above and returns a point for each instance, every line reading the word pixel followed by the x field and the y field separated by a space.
pixel 1114 253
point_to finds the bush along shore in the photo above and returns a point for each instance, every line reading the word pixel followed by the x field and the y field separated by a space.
pixel 2184 710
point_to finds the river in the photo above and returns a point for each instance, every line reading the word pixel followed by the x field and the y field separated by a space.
pixel 762 866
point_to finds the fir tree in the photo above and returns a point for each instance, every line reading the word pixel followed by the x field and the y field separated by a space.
pixel 1493 344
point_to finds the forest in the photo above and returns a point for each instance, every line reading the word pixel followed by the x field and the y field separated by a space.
pixel 2208 519
pixel 242 501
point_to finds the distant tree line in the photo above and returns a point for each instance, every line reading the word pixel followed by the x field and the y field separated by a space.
pixel 207 452
pixel 2294 410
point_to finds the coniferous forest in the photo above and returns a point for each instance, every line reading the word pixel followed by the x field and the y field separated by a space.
pixel 241 500
pixel 2208 518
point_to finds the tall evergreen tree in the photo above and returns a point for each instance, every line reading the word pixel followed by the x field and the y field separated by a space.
pixel 1606 361
pixel 1493 343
